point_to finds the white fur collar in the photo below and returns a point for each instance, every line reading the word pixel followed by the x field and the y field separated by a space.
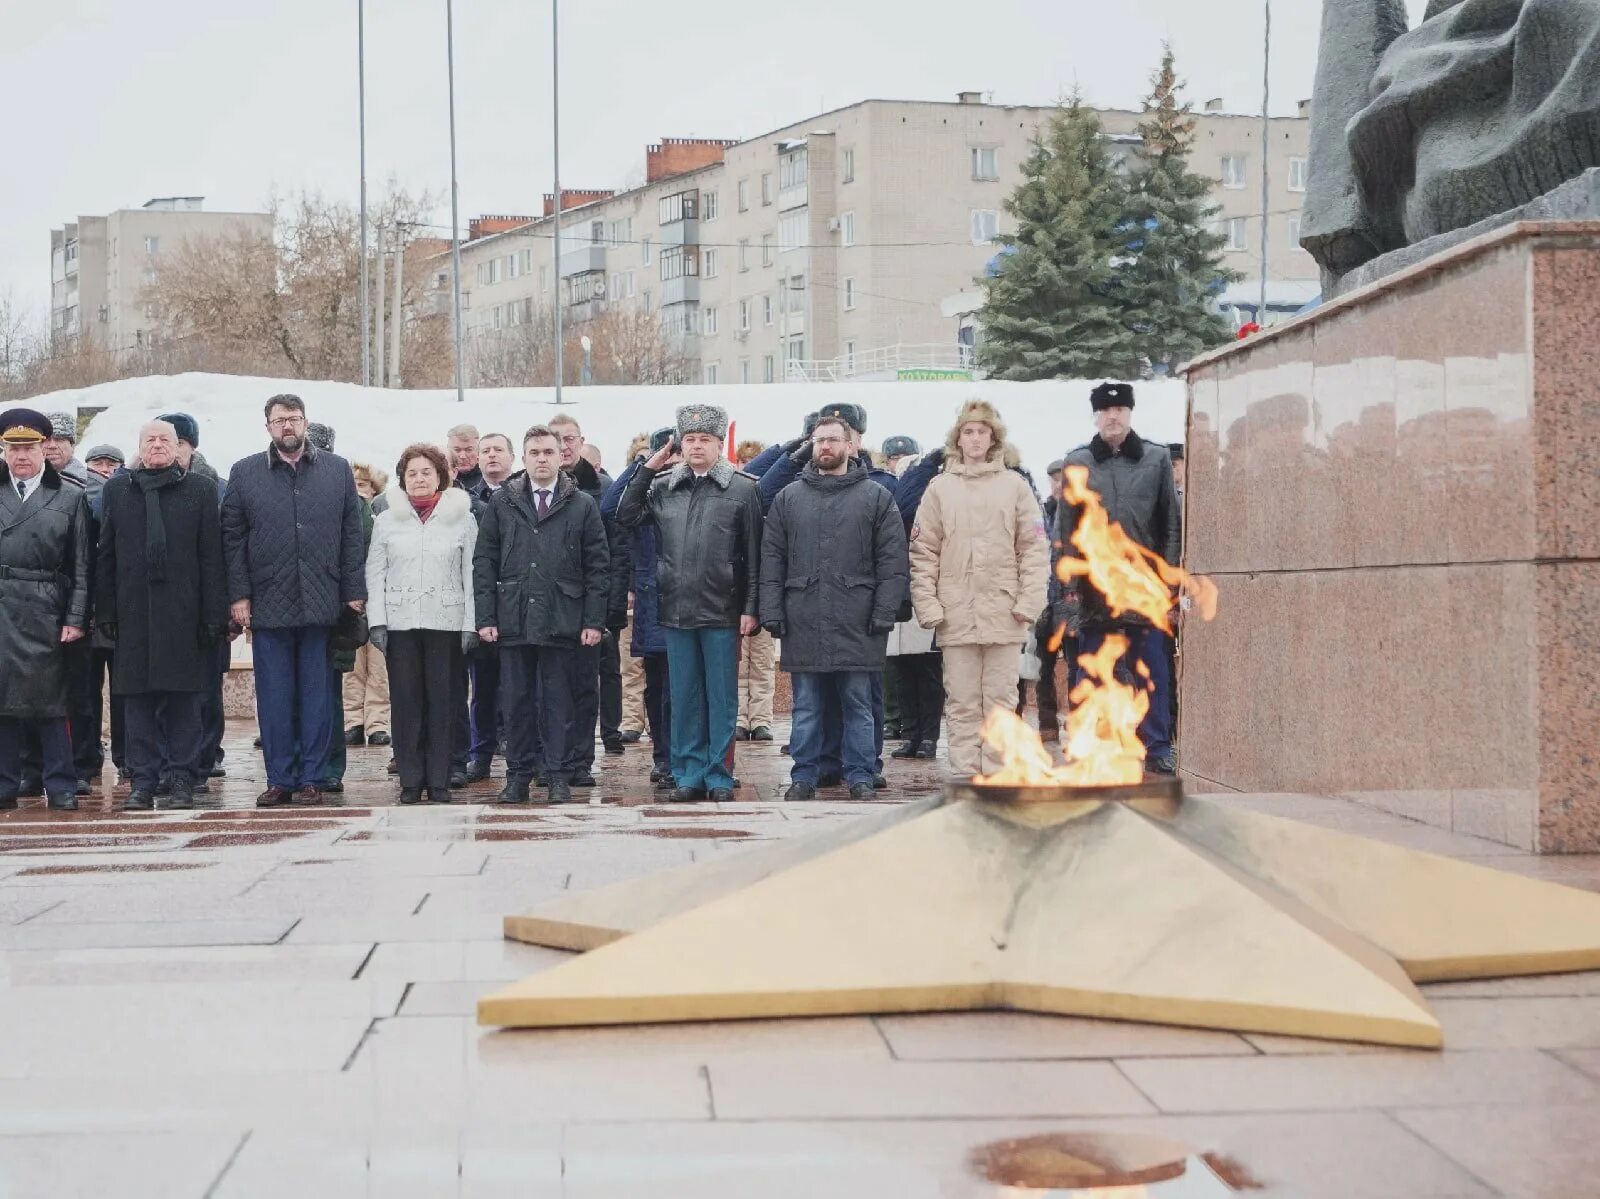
pixel 452 509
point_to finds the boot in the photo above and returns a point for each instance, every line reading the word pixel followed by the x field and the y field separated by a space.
pixel 410 795
pixel 908 750
pixel 438 795
pixel 181 794
pixel 355 735
pixel 515 791
pixel 139 801
pixel 558 792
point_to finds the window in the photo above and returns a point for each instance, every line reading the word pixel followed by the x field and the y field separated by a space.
pixel 849 295
pixel 744 195
pixel 744 253
pixel 744 370
pixel 708 260
pixel 985 164
pixel 684 319
pixel 766 187
pixel 847 228
pixel 677 262
pixel 644 252
pixel 792 229
pixel 795 295
pixel 766 369
pixel 616 287
pixel 527 311
pixel 1294 232
pixel 680 206
pixel 513 266
pixel 744 316
pixel 985 226
pixel 1236 233
pixel 544 278
pixel 795 351
pixel 645 302
pixel 152 245
pixel 708 322
pixel 711 372
pixel 766 311
pixel 792 169
pixel 850 356
pixel 150 275
pixel 847 166
pixel 708 206
pixel 1233 170
pixel 527 262
pixel 582 288
pixel 766 249
pixel 632 284
pixel 1297 174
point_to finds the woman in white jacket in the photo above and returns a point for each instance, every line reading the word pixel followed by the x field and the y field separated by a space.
pixel 419 607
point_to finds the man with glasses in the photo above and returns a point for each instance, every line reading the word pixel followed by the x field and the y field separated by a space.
pixel 292 541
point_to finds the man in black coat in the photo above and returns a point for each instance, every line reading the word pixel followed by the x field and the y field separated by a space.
pixel 541 578
pixel 161 599
pixel 44 605
pixel 292 541
pixel 834 571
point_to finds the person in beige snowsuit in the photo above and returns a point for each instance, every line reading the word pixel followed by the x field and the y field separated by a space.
pixel 980 561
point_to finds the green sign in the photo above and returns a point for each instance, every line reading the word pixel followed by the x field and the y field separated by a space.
pixel 932 374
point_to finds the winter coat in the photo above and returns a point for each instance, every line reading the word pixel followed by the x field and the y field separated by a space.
pixel 44 584
pixel 595 484
pixel 419 573
pixel 648 636
pixel 168 630
pixel 979 556
pixel 541 582
pixel 833 571
pixel 1135 486
pixel 292 538
pixel 708 541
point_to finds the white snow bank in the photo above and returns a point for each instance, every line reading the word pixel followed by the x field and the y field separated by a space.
pixel 1044 420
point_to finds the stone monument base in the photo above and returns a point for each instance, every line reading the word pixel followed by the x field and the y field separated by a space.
pixel 1398 496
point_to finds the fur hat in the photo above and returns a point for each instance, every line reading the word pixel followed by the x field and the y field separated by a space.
pixel 853 415
pixel 1111 395
pixel 188 428
pixel 65 426
pixel 702 418
pixel 899 447
pixel 320 435
pixel 660 437
pixel 810 424
pixel 976 410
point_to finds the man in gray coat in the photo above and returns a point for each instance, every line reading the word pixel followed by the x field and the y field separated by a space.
pixel 295 554
pixel 833 574
pixel 1133 478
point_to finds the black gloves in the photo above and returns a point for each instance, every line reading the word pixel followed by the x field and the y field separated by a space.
pixel 108 630
pixel 878 627
pixel 469 641
pixel 617 621
pixel 935 457
pixel 775 627
pixel 802 455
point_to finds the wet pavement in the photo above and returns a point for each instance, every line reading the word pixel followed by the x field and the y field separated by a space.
pixel 228 1002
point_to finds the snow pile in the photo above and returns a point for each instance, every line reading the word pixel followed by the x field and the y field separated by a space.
pixel 373 425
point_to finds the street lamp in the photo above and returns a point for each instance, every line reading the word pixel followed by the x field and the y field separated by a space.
pixel 455 214
pixel 361 121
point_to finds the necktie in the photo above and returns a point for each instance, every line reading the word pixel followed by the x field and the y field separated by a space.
pixel 22 490
pixel 544 503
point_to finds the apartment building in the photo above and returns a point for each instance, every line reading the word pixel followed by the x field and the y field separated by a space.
pixel 847 245
pixel 100 265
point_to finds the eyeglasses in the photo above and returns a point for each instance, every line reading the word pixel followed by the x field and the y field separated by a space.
pixel 572 439
pixel 286 422
pixel 828 440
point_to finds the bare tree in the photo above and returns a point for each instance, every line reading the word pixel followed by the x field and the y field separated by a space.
pixel 627 346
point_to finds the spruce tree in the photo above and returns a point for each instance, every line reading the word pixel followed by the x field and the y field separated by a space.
pixel 1052 309
pixel 1172 267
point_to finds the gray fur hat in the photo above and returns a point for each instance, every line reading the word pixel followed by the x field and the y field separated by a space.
pixel 65 426
pixel 320 435
pixel 702 418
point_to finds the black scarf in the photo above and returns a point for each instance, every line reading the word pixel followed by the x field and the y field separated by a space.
pixel 152 482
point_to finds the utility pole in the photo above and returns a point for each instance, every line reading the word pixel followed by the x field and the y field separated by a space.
pixel 555 145
pixel 394 317
pixel 1266 151
pixel 377 325
pixel 361 120
pixel 455 210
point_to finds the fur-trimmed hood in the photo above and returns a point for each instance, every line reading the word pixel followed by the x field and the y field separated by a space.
pixel 454 506
pixel 977 410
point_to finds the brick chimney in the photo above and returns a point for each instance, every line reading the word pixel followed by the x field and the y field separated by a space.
pixel 573 198
pixel 679 155
pixel 483 226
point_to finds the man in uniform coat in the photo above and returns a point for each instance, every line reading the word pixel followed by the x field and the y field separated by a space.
pixel 161 595
pixel 44 605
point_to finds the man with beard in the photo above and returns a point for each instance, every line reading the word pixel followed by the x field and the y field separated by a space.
pixel 292 537
pixel 834 572
pixel 161 600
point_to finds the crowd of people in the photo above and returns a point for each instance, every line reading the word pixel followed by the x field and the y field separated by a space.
pixel 501 597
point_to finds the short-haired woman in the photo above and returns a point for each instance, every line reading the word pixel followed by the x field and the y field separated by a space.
pixel 419 584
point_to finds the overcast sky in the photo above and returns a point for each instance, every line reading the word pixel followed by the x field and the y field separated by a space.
pixel 111 103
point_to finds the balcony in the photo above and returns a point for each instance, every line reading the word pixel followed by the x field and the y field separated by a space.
pixel 683 290
pixel 685 232
pixel 584 257
pixel 790 198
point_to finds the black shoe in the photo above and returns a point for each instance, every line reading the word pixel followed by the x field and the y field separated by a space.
pixel 1166 763
pixel 558 792
pixel 879 783
pixel 830 780
pixel 892 732
pixel 458 778
pixel 630 737
pixel 393 767
pixel 8 803
pixel 334 786
pixel 927 749
pixel 908 750
pixel 181 794
pixel 379 738
pixel 761 733
pixel 689 795
pixel 655 774
pixel 581 778
pixel 164 787
pixel 216 772
pixel 798 791
pixel 63 803
pixel 85 787
pixel 784 749
pixel 722 795
pixel 308 797
pixel 477 771
pixel 275 797
pixel 410 795
pixel 614 746
pixel 258 741
pixel 201 787
pixel 741 734
pixel 666 782
pixel 139 801
pixel 437 796
pixel 355 735
pixel 861 791
pixel 32 788
pixel 515 791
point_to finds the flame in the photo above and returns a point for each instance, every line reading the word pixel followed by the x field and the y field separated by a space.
pixel 1102 743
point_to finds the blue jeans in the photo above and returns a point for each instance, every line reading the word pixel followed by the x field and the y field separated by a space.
pixel 851 692
pixel 484 667
pixel 1147 645
pixel 703 671
pixel 294 703
pixel 831 761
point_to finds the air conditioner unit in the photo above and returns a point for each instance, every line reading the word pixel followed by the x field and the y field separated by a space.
pixel 833 224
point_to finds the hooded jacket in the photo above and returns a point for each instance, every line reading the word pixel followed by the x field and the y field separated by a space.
pixel 419 573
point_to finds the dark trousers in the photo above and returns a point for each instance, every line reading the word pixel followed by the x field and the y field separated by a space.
pixel 166 733
pixel 703 666
pixel 294 704
pixel 425 676
pixel 849 693
pixel 893 717
pixel 102 675
pixel 483 667
pixel 921 695
pixel 658 709
pixel 55 747
pixel 211 711
pixel 88 755
pixel 1149 646
pixel 610 688
pixel 549 732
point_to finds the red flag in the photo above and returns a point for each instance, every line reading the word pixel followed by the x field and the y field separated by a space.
pixel 733 457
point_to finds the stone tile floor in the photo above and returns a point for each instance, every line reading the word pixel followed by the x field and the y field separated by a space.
pixel 239 1003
